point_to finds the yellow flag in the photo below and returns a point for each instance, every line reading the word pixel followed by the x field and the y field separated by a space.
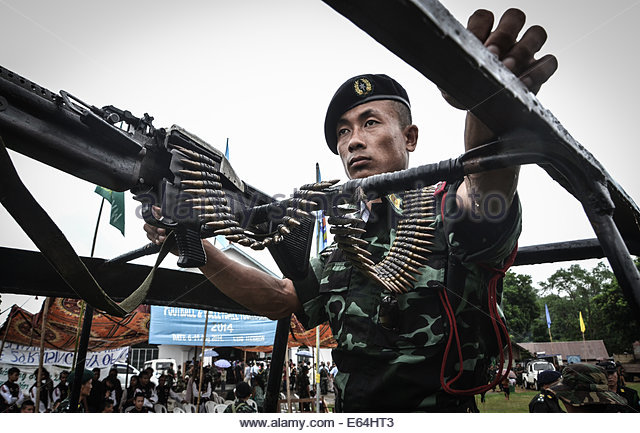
pixel 582 328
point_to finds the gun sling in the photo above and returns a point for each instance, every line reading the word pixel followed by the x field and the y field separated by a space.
pixel 55 247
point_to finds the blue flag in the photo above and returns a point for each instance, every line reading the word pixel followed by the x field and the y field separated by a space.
pixel 226 150
pixel 546 310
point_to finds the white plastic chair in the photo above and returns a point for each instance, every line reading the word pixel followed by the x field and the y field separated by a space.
pixel 219 399
pixel 189 408
pixel 178 409
pixel 160 408
pixel 228 401
pixel 220 408
pixel 209 406
pixel 253 404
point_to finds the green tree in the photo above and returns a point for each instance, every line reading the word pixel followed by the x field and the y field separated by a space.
pixel 595 293
pixel 520 305
pixel 613 318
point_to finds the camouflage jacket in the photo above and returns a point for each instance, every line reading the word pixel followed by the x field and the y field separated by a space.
pixel 65 406
pixel 239 406
pixel 398 369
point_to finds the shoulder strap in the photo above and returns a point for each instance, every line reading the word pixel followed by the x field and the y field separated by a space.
pixel 55 247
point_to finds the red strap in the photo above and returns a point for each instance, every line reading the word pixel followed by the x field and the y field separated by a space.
pixel 498 327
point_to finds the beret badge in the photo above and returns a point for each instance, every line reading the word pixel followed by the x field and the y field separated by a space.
pixel 362 86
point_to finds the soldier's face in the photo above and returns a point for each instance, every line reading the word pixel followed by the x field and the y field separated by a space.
pixel 612 381
pixel 371 140
pixel 13 377
pixel 85 389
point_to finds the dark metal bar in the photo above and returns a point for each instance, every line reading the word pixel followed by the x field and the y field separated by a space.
pixel 565 251
pixel 171 287
pixel 81 359
pixel 280 343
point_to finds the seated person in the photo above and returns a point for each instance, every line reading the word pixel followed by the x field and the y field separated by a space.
pixel 240 405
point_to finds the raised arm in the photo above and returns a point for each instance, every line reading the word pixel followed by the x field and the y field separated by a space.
pixel 517 56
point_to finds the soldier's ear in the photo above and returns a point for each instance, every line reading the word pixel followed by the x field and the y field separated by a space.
pixel 411 137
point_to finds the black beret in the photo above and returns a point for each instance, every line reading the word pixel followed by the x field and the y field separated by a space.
pixel 358 90
pixel 548 376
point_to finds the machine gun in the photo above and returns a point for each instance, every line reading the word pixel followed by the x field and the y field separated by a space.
pixel 192 182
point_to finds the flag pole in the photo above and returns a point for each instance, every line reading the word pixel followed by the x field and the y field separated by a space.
pixel 204 340
pixel 43 329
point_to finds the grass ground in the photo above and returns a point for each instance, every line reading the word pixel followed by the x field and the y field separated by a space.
pixel 518 401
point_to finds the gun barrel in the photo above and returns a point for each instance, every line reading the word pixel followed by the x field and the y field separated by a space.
pixel 42 125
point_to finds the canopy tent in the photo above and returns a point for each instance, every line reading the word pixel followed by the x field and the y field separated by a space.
pixel 298 336
pixel 107 332
pixel 110 332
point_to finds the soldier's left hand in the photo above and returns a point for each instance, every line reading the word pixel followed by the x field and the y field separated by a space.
pixel 516 55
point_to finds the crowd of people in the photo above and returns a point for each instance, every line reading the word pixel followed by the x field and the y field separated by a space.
pixel 141 395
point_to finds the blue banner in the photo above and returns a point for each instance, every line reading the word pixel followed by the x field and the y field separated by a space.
pixel 185 326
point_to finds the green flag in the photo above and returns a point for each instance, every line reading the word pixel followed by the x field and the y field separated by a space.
pixel 117 206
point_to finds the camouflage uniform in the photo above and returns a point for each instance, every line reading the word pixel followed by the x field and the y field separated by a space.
pixel 398 369
pixel 65 406
pixel 239 406
pixel 586 385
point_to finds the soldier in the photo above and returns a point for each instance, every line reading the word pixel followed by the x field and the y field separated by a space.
pixel 545 401
pixel 458 247
pixel 614 382
pixel 85 391
pixel 11 396
pixel 240 404
pixel 583 388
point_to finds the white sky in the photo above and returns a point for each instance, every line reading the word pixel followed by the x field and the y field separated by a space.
pixel 262 73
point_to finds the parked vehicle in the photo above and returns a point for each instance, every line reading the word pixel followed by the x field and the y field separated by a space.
pixel 122 372
pixel 532 370
pixel 161 366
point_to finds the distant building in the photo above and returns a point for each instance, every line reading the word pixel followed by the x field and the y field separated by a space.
pixel 588 351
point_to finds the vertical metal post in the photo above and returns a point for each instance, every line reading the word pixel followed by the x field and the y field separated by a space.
pixel 82 357
pixel 43 328
pixel 204 341
pixel 280 343
pixel 6 331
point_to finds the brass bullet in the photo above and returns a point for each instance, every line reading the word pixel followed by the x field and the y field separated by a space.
pixel 207 201
pixel 229 231
pixel 221 224
pixel 199 175
pixel 195 155
pixel 200 184
pixel 213 209
pixel 199 165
